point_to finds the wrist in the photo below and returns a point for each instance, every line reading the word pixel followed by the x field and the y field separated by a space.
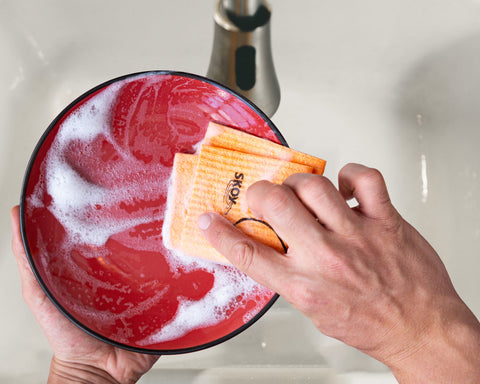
pixel 448 353
pixel 65 372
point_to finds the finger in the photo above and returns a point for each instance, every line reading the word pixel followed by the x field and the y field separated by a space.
pixel 262 263
pixel 325 202
pixel 368 187
pixel 31 290
pixel 280 207
pixel 17 245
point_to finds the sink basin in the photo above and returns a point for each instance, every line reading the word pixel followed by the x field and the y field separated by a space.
pixel 394 85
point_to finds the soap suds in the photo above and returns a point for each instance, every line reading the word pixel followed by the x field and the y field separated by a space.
pixel 211 309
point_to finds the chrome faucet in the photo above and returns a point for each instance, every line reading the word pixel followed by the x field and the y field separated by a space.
pixel 242 56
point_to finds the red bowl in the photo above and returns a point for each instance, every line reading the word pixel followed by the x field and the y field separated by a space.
pixel 92 210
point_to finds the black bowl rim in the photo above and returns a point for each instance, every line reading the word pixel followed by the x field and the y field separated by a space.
pixel 23 223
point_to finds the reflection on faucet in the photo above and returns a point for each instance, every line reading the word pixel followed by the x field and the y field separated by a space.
pixel 241 56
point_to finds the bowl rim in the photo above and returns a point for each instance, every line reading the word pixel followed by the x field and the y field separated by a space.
pixel 23 230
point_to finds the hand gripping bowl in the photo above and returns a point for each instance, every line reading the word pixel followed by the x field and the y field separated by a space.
pixel 92 211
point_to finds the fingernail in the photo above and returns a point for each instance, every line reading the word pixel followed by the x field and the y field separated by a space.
pixel 204 221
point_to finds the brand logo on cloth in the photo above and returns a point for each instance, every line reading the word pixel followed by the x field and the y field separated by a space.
pixel 232 192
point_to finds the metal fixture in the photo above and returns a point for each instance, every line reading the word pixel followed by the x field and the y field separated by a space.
pixel 242 55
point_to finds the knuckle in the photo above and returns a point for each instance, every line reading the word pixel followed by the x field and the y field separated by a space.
pixel 29 296
pixel 316 186
pixel 278 199
pixel 371 176
pixel 317 182
pixel 243 252
pixel 304 298
pixel 26 296
pixel 345 169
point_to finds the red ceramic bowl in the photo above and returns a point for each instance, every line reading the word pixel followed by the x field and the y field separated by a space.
pixel 92 210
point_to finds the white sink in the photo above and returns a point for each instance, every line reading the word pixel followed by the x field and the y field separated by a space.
pixel 392 84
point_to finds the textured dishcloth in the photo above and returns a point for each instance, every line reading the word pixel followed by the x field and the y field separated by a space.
pixel 228 163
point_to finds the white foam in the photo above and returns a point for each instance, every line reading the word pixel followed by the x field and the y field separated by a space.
pixel 168 214
pixel 74 202
pixel 73 197
pixel 212 308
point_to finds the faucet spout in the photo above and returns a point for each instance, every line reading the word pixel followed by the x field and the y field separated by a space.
pixel 241 55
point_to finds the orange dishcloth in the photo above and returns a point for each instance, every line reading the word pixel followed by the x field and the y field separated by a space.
pixel 229 162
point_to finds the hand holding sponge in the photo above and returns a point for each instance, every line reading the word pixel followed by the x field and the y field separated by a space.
pixel 217 179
